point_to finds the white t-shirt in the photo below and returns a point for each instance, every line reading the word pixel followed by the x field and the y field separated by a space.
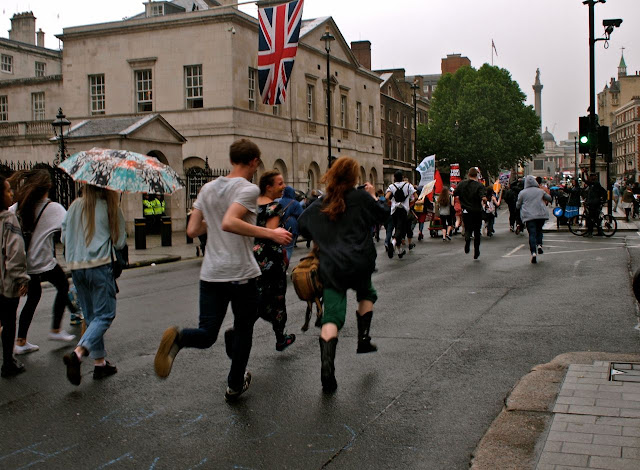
pixel 406 188
pixel 41 253
pixel 228 257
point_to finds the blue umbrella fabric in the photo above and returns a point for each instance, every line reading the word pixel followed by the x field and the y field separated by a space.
pixel 122 170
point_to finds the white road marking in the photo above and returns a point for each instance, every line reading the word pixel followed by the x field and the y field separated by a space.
pixel 513 251
pixel 572 251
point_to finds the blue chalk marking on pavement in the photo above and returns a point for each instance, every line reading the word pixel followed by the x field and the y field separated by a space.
pixel 353 437
pixel 128 455
pixel 46 456
pixel 202 462
pixel 19 451
pixel 153 465
pixel 191 423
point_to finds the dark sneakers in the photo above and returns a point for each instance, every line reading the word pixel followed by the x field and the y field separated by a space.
pixel 232 395
pixel 402 253
pixel 167 352
pixel 467 246
pixel 73 367
pixel 390 250
pixel 540 251
pixel 287 341
pixel 11 369
pixel 100 372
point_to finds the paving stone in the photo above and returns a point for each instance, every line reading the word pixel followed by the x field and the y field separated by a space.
pixel 611 463
pixel 631 396
pixel 576 386
pixel 617 421
pixel 576 401
pixel 581 419
pixel 561 427
pixel 631 453
pixel 588 368
pixel 565 467
pixel 580 437
pixel 588 375
pixel 626 430
pixel 558 458
pixel 591 449
pixel 553 446
pixel 598 394
pixel 566 392
pixel 594 429
pixel 593 380
pixel 593 410
pixel 546 467
pixel 623 441
pixel 628 413
pixel 559 408
pixel 617 403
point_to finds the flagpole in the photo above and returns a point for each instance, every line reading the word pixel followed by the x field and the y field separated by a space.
pixel 492 52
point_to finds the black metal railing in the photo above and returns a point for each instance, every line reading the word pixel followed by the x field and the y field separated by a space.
pixel 197 177
pixel 63 189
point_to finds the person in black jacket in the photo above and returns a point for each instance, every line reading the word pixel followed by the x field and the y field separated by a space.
pixel 340 224
pixel 596 195
pixel 472 197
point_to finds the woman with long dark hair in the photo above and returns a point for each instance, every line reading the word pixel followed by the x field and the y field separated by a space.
pixel 340 225
pixel 14 279
pixel 42 218
pixel 445 211
pixel 94 226
pixel 272 284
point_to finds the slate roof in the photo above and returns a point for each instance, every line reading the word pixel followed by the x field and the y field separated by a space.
pixel 112 126
pixel 310 25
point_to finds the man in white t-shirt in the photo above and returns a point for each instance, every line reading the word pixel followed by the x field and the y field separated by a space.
pixel 226 211
pixel 399 194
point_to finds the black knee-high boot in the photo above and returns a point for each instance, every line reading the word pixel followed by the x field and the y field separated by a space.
pixel 327 371
pixel 364 340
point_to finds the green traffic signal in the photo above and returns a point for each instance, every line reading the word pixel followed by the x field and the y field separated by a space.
pixel 584 139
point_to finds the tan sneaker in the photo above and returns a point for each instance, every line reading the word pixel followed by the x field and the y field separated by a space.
pixel 167 352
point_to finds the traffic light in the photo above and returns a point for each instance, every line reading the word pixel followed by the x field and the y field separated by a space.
pixel 584 136
pixel 603 139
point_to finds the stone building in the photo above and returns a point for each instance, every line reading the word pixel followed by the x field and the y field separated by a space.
pixel 616 103
pixel 194 63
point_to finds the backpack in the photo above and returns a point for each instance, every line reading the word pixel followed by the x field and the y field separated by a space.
pixel 306 282
pixel 399 195
pixel 27 235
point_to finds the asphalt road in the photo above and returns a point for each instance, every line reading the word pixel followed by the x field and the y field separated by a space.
pixel 454 336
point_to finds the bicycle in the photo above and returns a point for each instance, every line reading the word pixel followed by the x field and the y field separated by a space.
pixel 606 224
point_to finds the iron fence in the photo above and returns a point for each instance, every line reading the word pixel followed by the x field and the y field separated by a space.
pixel 63 189
pixel 197 177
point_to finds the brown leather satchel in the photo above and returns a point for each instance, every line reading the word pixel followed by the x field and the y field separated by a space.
pixel 306 282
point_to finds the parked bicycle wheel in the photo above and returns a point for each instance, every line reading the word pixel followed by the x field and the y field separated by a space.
pixel 578 225
pixel 609 225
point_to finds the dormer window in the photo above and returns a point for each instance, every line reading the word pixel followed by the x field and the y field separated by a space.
pixel 157 10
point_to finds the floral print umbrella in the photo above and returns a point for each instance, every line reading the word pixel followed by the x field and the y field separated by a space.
pixel 122 170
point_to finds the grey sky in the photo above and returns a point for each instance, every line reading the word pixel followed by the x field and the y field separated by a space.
pixel 416 34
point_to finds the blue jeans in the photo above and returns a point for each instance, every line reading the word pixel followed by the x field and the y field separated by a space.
pixel 534 227
pixel 214 300
pixel 388 231
pixel 97 296
pixel 289 247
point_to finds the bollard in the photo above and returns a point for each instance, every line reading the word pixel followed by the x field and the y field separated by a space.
pixel 189 239
pixel 165 231
pixel 140 226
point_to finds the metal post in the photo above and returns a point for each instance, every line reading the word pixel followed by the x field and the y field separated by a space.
pixel 328 110
pixel 575 142
pixel 415 130
pixel 592 87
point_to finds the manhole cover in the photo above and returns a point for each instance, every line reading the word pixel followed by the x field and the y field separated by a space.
pixel 624 372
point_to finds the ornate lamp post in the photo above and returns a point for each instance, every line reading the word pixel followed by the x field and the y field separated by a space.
pixel 59 125
pixel 327 37
pixel 415 87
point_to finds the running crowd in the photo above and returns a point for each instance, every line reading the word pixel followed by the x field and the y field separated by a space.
pixel 251 231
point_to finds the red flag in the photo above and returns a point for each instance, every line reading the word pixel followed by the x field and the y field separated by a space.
pixel 437 188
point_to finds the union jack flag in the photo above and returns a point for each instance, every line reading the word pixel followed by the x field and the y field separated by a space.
pixel 277 47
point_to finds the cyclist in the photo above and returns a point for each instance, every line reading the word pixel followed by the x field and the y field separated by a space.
pixel 596 195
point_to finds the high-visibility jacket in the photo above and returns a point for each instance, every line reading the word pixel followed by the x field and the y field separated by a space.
pixel 147 207
pixel 158 209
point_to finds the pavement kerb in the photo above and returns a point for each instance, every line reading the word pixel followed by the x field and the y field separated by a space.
pixel 517 436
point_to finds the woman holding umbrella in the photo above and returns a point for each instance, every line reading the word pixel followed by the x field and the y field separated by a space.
pixel 94 225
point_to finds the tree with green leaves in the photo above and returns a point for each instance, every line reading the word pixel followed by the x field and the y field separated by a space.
pixel 479 118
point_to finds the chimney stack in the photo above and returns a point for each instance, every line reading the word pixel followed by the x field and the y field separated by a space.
pixel 362 51
pixel 40 38
pixel 23 28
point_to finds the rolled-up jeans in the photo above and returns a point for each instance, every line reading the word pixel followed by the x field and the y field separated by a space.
pixel 97 296
pixel 534 227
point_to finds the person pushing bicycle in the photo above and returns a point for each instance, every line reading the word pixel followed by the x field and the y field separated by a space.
pixel 596 196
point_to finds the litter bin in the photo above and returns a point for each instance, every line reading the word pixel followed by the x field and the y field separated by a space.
pixel 165 231
pixel 140 226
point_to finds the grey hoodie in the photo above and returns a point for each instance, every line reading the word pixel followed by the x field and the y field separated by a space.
pixel 530 201
pixel 13 261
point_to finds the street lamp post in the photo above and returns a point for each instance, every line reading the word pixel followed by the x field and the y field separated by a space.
pixel 59 125
pixel 327 37
pixel 575 160
pixel 415 87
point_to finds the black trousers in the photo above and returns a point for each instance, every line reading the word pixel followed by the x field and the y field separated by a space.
pixel 8 311
pixel 400 222
pixel 59 280
pixel 472 223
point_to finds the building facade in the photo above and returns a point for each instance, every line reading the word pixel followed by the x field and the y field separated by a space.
pixel 626 140
pixel 197 68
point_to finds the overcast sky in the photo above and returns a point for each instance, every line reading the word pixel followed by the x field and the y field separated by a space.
pixel 415 34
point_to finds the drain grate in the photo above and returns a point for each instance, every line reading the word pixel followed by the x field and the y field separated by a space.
pixel 624 372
